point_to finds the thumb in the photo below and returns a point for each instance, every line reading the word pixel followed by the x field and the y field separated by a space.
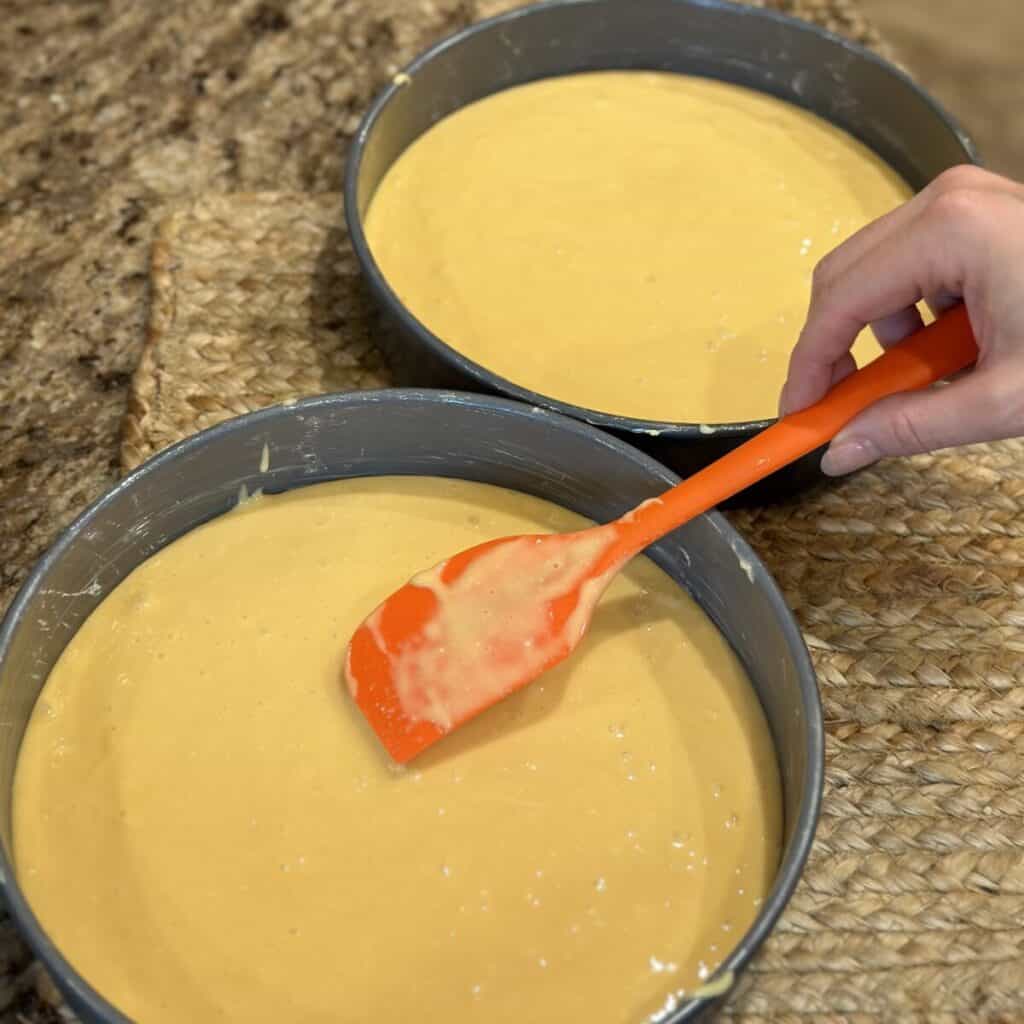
pixel 909 424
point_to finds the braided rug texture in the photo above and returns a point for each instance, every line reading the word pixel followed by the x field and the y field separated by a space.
pixel 907 580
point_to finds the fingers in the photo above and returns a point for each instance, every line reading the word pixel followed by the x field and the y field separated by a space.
pixel 925 258
pixel 898 218
pixel 862 241
pixel 808 378
pixel 942 301
pixel 877 276
pixel 842 369
pixel 963 242
pixel 908 424
pixel 884 280
pixel 892 329
pixel 896 326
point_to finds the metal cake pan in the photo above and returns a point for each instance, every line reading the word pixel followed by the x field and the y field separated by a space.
pixel 792 59
pixel 423 433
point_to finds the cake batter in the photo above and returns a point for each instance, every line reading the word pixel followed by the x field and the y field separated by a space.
pixel 637 243
pixel 209 831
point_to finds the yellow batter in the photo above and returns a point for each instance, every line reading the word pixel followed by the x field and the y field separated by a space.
pixel 209 831
pixel 637 243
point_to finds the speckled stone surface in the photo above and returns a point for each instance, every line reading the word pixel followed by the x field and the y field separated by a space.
pixel 112 110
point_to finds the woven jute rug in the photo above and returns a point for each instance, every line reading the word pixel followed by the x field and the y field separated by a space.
pixel 908 582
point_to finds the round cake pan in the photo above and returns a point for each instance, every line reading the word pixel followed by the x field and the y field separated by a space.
pixel 431 433
pixel 799 62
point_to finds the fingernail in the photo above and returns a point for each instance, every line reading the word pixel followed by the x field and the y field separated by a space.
pixel 848 456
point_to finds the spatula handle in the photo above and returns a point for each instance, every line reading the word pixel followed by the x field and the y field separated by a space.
pixel 932 354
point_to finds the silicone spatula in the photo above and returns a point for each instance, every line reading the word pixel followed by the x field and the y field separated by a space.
pixel 458 638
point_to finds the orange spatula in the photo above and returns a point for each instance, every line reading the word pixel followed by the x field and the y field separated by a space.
pixel 461 636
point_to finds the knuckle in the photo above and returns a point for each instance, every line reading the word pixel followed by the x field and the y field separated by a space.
pixel 800 355
pixel 1002 403
pixel 960 208
pixel 962 176
pixel 822 276
pixel 907 434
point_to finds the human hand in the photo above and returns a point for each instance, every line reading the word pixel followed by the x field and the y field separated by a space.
pixel 962 237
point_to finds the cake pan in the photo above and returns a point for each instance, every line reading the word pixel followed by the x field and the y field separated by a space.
pixel 424 433
pixel 792 59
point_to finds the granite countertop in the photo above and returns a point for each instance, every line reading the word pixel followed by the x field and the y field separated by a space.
pixel 113 110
